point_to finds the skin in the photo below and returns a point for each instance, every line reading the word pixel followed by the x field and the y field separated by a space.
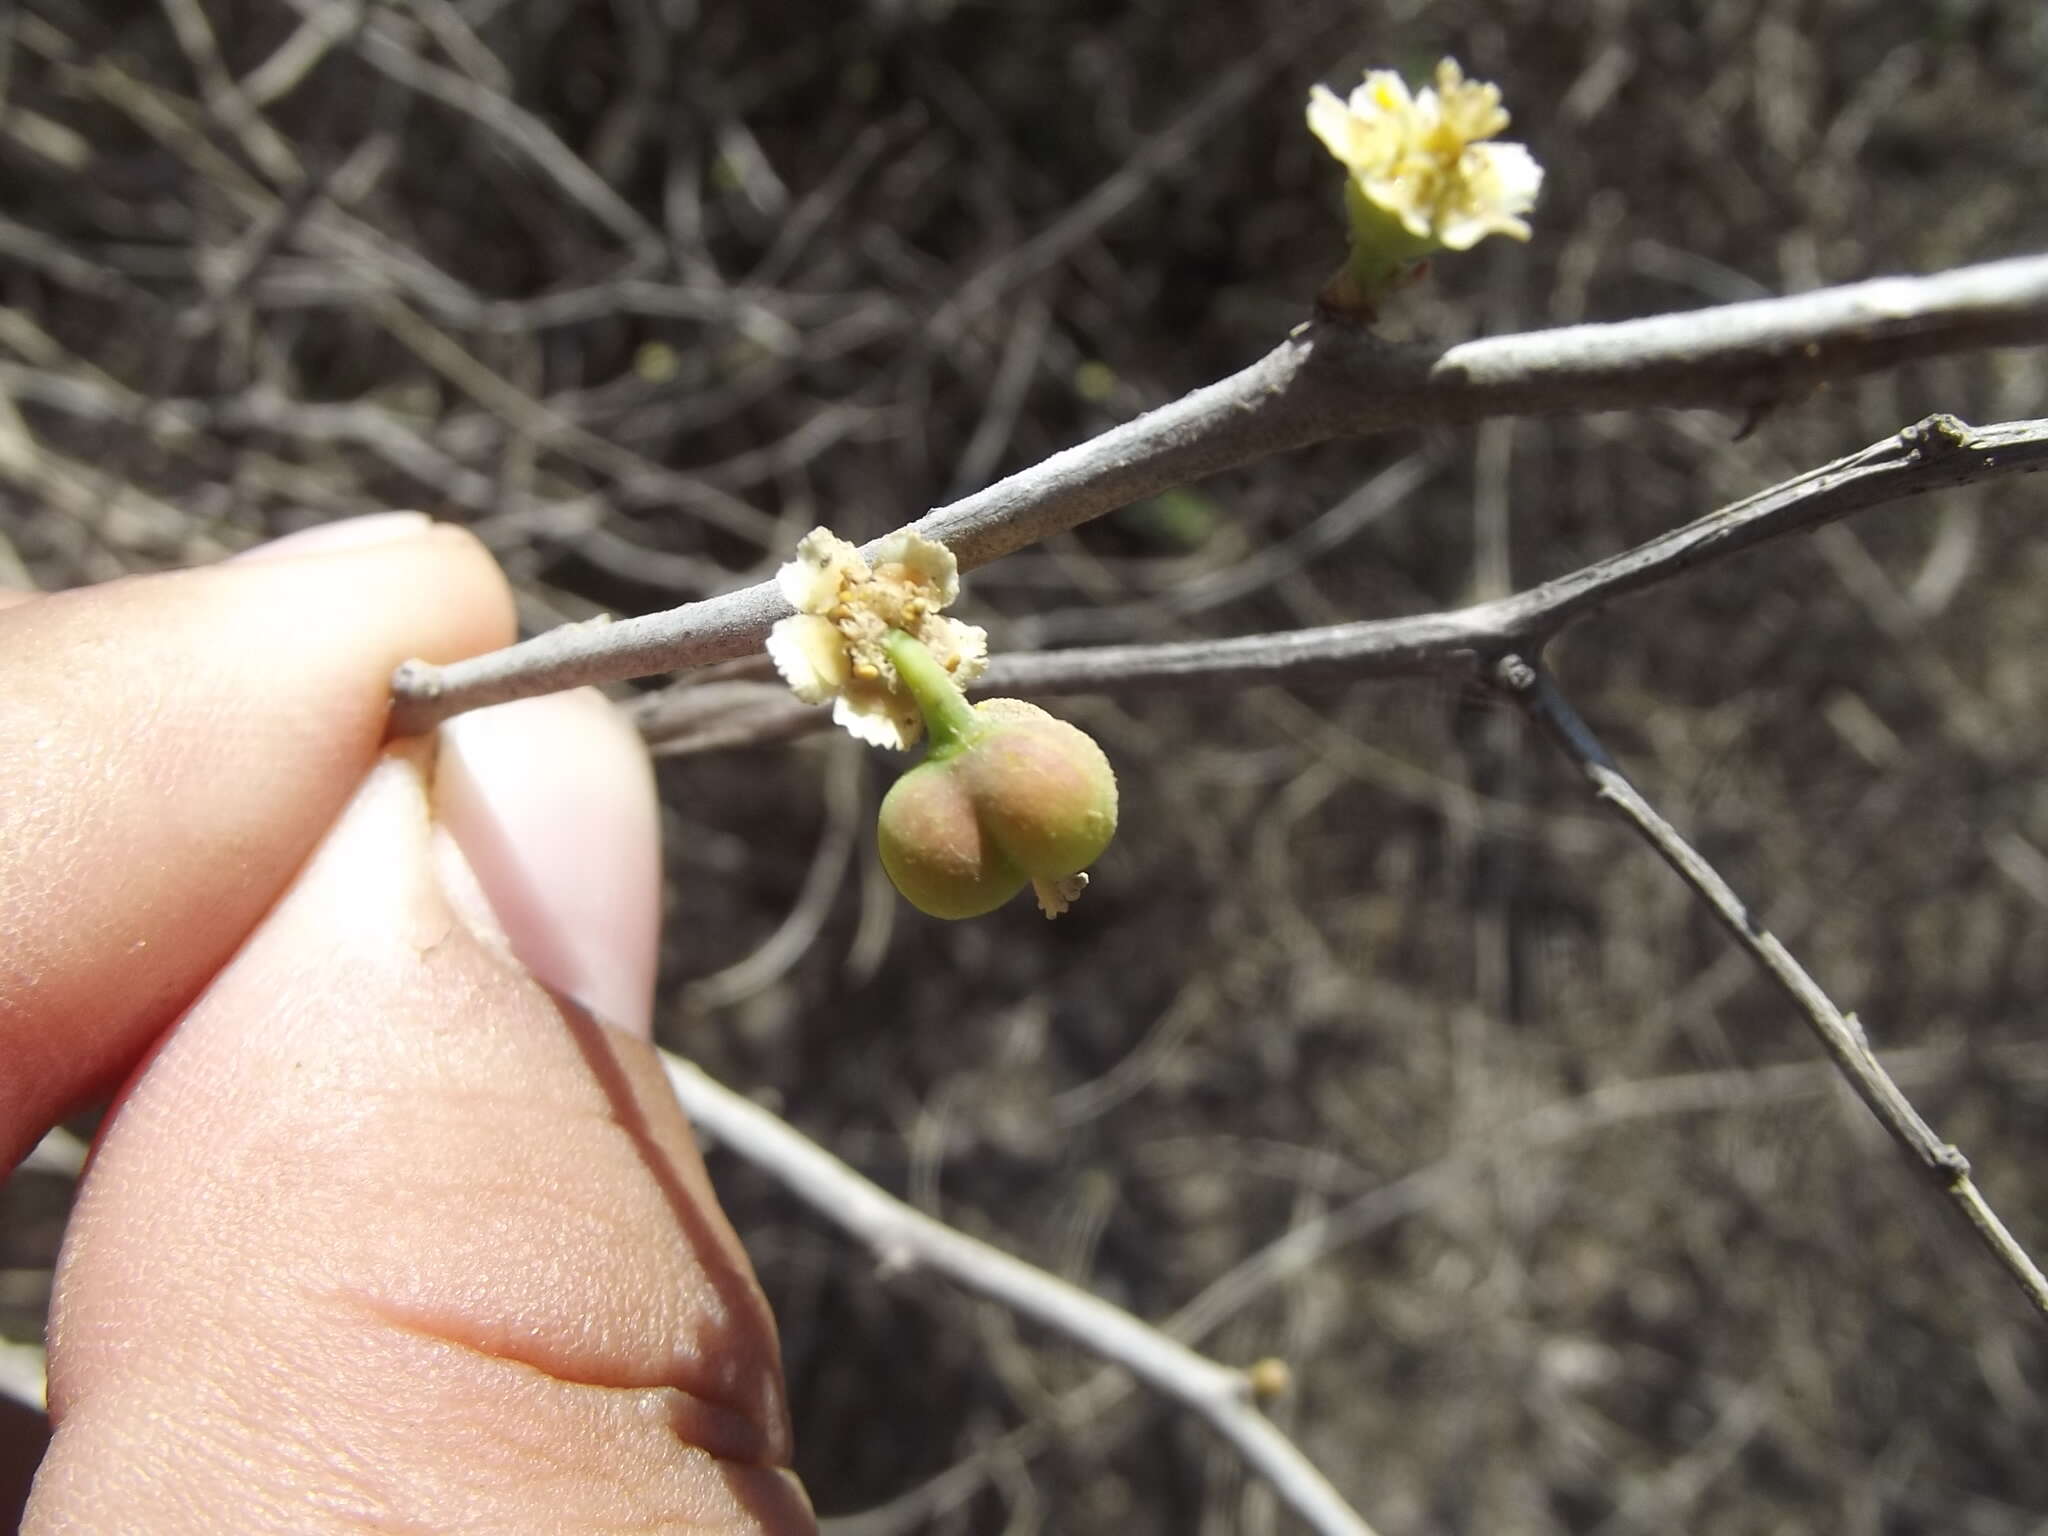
pixel 393 1223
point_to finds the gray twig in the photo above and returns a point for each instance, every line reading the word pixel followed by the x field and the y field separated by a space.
pixel 1312 1242
pixel 1841 1035
pixel 1934 454
pixel 902 1238
pixel 1330 380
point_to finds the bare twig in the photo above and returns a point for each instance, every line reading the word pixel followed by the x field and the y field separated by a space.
pixel 42 252
pixel 60 1152
pixel 1325 381
pixel 296 58
pixel 799 930
pixel 1171 146
pixel 1935 454
pixel 24 1374
pixel 1553 1126
pixel 903 1237
pixel 1842 1036
pixel 1252 570
pixel 638 476
pixel 512 123
pixel 264 146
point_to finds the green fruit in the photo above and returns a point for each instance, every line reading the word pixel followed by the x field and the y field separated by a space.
pixel 1044 792
pixel 1015 796
pixel 935 850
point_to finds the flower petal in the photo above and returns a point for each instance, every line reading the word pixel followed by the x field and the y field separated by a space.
pixel 1499 183
pixel 872 715
pixel 836 648
pixel 823 565
pixel 811 656
pixel 1383 93
pixel 931 564
pixel 1364 134
pixel 1471 109
pixel 963 650
pixel 1516 174
pixel 1332 122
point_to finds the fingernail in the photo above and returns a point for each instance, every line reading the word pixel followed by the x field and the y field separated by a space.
pixel 349 533
pixel 551 802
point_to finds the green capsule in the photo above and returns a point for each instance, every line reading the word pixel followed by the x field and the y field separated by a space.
pixel 935 849
pixel 1042 788
pixel 1008 796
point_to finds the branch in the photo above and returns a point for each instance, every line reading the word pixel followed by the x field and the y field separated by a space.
pixel 1946 1170
pixel 504 118
pixel 1300 1248
pixel 1935 454
pixel 903 1238
pixel 1329 380
pixel 24 1374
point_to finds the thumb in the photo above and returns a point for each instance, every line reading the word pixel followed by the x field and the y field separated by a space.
pixel 387 1232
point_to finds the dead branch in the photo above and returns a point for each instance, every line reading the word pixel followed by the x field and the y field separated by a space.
pixel 1552 1127
pixel 1945 1170
pixel 903 1238
pixel 1329 380
pixel 1935 454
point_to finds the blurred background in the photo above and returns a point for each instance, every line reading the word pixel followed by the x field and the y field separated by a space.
pixel 641 290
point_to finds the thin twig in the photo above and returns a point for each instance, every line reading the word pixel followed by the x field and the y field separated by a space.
pixel 902 1237
pixel 1174 146
pixel 24 1374
pixel 1553 1126
pixel 798 931
pixel 1934 454
pixel 500 115
pixel 1841 1035
pixel 1329 380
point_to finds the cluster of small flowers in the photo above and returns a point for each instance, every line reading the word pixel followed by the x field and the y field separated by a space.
pixel 1421 157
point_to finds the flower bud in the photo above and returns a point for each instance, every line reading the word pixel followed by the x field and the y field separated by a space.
pixel 1024 796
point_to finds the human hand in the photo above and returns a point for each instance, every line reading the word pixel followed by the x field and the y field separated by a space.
pixel 384 1228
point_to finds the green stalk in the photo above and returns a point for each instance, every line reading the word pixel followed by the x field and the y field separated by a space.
pixel 1385 255
pixel 948 718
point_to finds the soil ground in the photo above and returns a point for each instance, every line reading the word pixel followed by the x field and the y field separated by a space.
pixel 1620 1255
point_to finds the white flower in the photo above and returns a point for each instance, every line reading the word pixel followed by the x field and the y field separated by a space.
pixel 1420 157
pixel 823 564
pixel 833 647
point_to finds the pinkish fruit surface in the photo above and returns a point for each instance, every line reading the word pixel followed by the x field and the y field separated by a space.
pixel 1027 797
pixel 1042 789
pixel 935 850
